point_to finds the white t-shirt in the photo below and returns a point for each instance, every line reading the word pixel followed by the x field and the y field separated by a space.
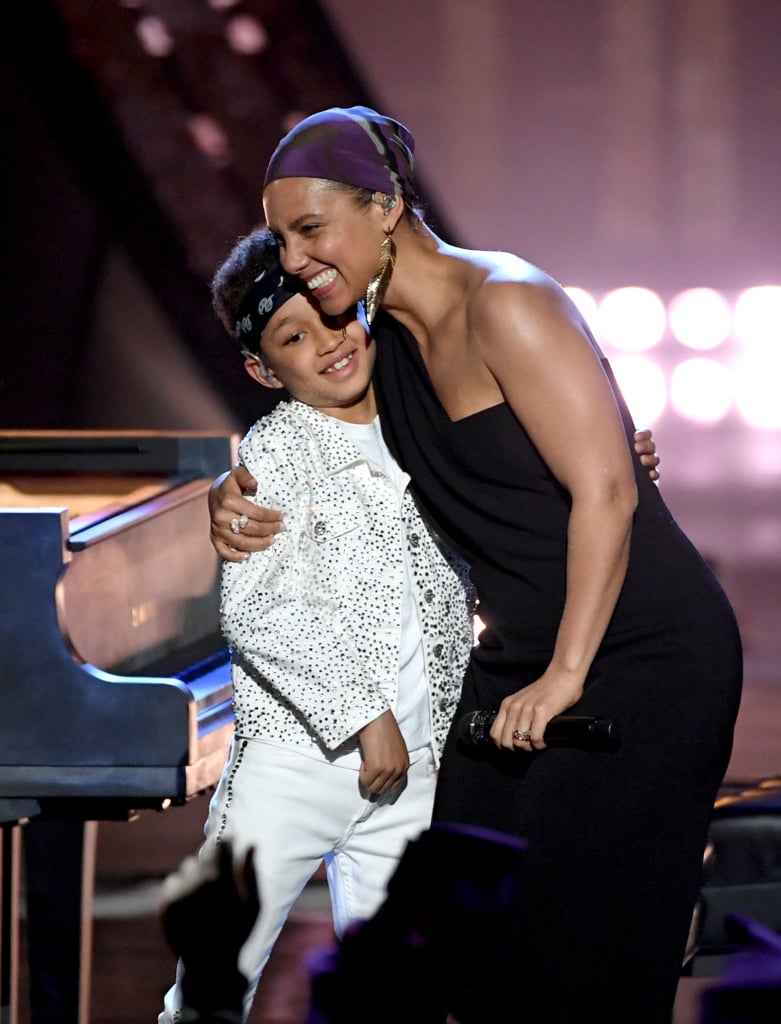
pixel 412 711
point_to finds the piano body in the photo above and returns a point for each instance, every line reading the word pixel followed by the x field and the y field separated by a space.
pixel 115 690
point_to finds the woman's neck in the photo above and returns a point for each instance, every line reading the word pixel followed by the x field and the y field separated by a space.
pixel 429 281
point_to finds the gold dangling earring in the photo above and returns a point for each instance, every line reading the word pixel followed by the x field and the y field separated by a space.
pixel 376 288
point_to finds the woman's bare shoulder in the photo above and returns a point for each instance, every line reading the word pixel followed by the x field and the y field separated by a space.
pixel 514 291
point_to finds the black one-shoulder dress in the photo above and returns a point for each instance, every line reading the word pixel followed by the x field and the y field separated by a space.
pixel 615 840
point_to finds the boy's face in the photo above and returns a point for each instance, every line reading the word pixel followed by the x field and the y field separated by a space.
pixel 323 362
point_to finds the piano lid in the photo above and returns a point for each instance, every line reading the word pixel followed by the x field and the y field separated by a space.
pixel 145 583
pixel 91 472
pixel 115 679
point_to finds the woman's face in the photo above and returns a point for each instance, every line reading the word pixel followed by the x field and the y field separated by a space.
pixel 325 238
pixel 324 363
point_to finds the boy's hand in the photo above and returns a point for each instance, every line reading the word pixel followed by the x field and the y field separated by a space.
pixel 646 449
pixel 385 756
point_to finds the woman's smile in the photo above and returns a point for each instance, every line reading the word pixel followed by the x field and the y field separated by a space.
pixel 321 283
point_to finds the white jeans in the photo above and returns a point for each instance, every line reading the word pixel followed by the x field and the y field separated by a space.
pixel 298 812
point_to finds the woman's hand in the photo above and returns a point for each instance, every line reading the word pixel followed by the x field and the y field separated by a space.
pixel 646 449
pixel 523 716
pixel 239 526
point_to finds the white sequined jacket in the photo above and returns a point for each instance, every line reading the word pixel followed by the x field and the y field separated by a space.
pixel 315 619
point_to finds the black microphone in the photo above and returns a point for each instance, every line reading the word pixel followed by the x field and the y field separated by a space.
pixel 583 731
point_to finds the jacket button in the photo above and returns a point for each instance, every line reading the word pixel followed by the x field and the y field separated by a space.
pixel 438 651
pixel 428 597
pixel 319 528
pixel 414 540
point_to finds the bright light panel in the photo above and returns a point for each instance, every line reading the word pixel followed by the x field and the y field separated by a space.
pixel 586 303
pixel 700 318
pixel 643 386
pixel 758 317
pixel 757 379
pixel 701 390
pixel 632 319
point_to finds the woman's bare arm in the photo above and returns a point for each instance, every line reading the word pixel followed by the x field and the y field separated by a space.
pixel 553 380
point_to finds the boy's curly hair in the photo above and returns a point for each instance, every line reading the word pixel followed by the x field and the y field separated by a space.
pixel 250 256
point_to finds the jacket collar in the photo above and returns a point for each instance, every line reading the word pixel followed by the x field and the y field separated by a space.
pixel 336 449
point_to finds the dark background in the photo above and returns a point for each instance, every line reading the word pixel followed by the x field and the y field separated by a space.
pixel 610 141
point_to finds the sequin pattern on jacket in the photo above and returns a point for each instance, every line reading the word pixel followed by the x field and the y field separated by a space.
pixel 316 617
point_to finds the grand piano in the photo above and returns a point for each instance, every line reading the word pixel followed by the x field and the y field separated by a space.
pixel 115 690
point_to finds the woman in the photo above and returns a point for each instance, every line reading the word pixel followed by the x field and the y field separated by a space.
pixel 593 600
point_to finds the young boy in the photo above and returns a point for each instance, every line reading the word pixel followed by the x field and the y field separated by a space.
pixel 350 633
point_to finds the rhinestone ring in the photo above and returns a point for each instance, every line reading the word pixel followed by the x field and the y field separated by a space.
pixel 235 524
pixel 522 735
pixel 243 521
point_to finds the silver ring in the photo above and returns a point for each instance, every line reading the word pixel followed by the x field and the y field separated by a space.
pixel 235 524
pixel 243 520
pixel 522 735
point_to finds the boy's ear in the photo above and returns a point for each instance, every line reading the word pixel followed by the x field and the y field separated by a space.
pixel 260 372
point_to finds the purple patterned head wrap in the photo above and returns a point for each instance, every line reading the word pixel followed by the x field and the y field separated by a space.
pixel 353 145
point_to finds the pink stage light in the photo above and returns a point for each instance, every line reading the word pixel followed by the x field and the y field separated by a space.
pixel 757 378
pixel 643 386
pixel 700 318
pixel 701 390
pixel 586 303
pixel 632 319
pixel 246 35
pixel 155 36
pixel 758 317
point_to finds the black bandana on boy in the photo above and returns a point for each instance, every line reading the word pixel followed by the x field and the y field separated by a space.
pixel 267 293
